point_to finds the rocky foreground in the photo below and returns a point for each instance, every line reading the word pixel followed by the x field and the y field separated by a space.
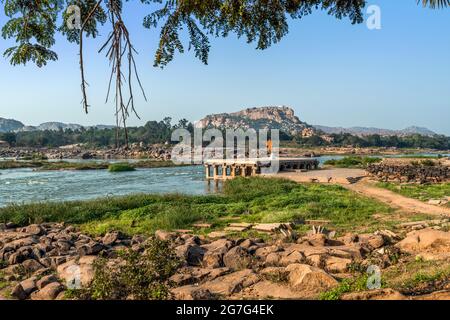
pixel 38 261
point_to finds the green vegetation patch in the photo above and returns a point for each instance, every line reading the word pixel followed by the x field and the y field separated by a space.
pixel 418 276
pixel 353 162
pixel 143 276
pixel 120 167
pixel 82 165
pixel 422 192
pixel 249 200
pixel 357 284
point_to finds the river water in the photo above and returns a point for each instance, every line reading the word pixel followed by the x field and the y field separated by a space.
pixel 26 185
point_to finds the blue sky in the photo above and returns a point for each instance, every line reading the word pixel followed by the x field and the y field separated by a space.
pixel 331 72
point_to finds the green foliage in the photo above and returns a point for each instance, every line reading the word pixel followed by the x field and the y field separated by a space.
pixel 351 162
pixel 260 22
pixel 436 4
pixel 31 21
pixel 142 276
pixel 120 167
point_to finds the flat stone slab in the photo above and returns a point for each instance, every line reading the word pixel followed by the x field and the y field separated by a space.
pixel 217 234
pixel 184 231
pixel 240 224
pixel 229 218
pixel 271 227
pixel 236 229
pixel 202 225
pixel 424 222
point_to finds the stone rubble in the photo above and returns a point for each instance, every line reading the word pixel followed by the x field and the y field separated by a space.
pixel 40 261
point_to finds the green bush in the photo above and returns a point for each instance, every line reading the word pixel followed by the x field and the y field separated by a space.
pixel 120 167
pixel 351 162
pixel 141 276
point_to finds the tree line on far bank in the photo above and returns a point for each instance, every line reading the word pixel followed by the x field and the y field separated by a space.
pixel 160 132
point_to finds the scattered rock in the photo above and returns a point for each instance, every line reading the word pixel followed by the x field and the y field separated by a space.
pixel 29 285
pixel 231 283
pixel 32 266
pixel 337 265
pixel 310 280
pixel 44 281
pixel 18 292
pixel 77 274
pixel 429 243
pixel 49 292
pixel 111 238
pixel 164 235
pixel 193 254
pixel 35 229
pixel 237 258
pixel 191 292
pixel 379 294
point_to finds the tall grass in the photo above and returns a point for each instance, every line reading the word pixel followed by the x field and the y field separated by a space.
pixel 353 162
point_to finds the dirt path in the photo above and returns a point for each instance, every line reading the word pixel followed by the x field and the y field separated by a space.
pixel 396 200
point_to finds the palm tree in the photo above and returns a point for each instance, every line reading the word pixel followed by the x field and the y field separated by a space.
pixel 433 4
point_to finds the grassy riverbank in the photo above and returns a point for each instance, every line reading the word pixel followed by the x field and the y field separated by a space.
pixel 89 165
pixel 249 200
pixel 352 162
pixel 423 192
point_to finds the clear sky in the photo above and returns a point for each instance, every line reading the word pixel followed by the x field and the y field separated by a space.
pixel 331 72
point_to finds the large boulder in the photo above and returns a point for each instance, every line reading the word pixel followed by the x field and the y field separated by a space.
pixel 291 258
pixel 18 292
pixel 49 292
pixel 192 253
pixel 309 280
pixel 111 238
pixel 272 290
pixel 29 285
pixel 35 229
pixel 429 243
pixel 191 292
pixel 237 258
pixel 213 258
pixel 46 280
pixel 231 283
pixel 337 264
pixel 79 273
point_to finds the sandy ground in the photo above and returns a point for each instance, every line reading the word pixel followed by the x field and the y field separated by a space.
pixel 366 188
pixel 324 176
pixel 395 200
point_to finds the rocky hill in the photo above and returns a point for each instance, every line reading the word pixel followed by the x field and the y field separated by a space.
pixel 7 125
pixel 280 117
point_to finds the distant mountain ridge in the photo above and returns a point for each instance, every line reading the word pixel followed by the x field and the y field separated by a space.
pixel 8 125
pixel 11 125
pixel 274 117
pixel 365 131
